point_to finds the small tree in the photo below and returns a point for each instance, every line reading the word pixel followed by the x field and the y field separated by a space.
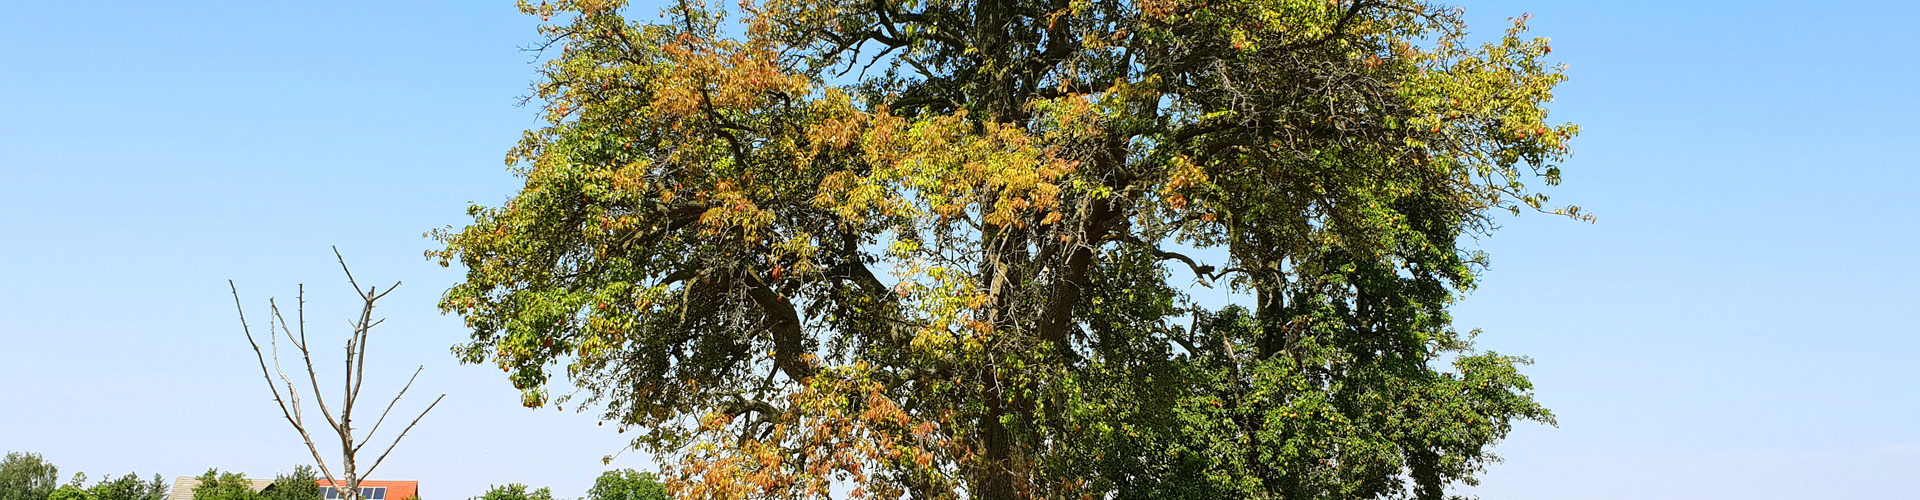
pixel 216 485
pixel 70 492
pixel 627 484
pixel 298 485
pixel 342 423
pixel 515 492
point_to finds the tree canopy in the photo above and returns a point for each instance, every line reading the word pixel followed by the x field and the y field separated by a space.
pixel 939 249
pixel 129 487
pixel 70 492
pixel 216 485
pixel 515 491
pixel 27 476
pixel 627 484
pixel 301 484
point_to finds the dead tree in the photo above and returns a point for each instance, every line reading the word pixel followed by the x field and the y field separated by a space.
pixel 356 362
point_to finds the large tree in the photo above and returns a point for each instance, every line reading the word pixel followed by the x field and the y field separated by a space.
pixel 27 476
pixel 938 248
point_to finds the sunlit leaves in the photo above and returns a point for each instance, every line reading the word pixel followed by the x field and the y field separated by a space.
pixel 924 246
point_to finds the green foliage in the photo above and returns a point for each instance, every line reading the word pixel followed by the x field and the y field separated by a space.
pixel 70 492
pixel 216 485
pixel 627 484
pixel 515 491
pixel 298 485
pixel 130 487
pixel 26 476
pixel 923 247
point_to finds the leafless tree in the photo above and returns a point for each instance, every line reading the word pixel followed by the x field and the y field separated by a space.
pixel 356 363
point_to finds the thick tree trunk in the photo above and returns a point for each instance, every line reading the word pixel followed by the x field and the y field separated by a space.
pixel 997 471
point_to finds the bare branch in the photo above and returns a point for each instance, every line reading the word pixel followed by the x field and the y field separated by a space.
pixel 306 357
pixel 284 412
pixel 293 395
pixel 256 348
pixel 403 433
pixel 357 347
pixel 343 268
pixel 383 413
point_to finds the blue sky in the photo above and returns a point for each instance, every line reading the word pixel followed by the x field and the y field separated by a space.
pixel 1738 324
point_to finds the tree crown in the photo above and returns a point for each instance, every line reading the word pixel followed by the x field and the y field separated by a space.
pixel 924 246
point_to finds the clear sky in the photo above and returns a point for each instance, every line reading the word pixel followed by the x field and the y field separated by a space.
pixel 1740 323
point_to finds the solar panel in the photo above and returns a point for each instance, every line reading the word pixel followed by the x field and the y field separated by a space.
pixel 366 493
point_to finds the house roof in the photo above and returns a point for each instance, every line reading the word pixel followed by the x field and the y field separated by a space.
pixel 396 490
pixel 183 487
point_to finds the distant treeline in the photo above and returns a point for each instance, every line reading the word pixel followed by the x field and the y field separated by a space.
pixel 28 476
pixel 623 484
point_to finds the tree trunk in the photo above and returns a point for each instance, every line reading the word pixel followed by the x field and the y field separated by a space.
pixel 996 472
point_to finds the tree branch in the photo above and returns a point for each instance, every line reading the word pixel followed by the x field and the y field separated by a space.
pixel 284 412
pixel 1204 272
pixel 403 433
pixel 784 323
pixel 383 413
